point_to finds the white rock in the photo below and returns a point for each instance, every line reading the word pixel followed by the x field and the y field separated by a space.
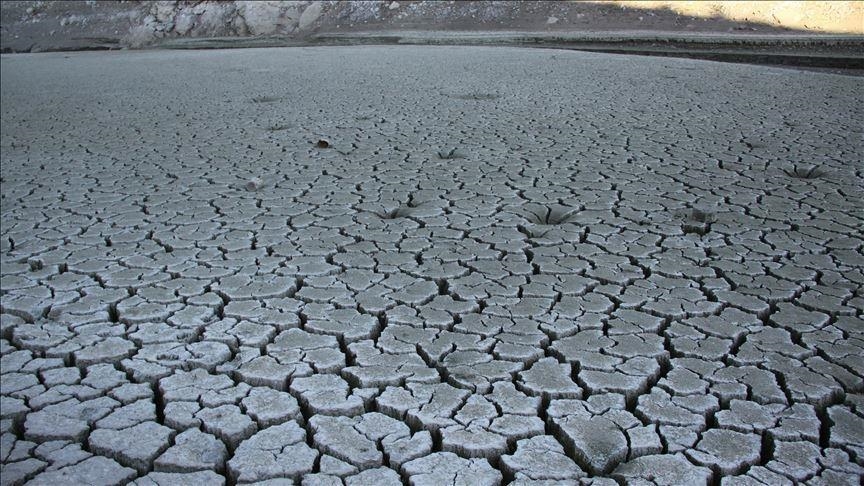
pixel 254 184
pixel 261 17
pixel 310 15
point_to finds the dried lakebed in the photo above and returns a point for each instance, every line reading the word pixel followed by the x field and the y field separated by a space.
pixel 390 265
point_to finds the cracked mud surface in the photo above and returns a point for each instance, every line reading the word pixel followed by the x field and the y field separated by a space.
pixel 500 266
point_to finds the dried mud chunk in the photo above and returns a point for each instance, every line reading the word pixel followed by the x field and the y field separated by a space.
pixel 448 468
pixel 423 406
pixel 473 441
pixel 18 472
pixel 597 442
pixel 541 458
pixel 363 441
pixel 191 385
pixel 549 379
pixel 192 451
pixel 135 447
pixel 327 394
pixel 276 452
pixel 727 450
pixel 847 429
pixel 97 471
pixel 69 420
pixel 228 423
pixel 180 479
pixel 270 407
pixel 666 469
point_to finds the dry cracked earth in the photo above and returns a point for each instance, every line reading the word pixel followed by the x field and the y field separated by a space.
pixel 408 265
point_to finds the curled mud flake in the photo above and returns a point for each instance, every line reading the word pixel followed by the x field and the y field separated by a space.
pixel 805 172
pixel 254 184
pixel 265 99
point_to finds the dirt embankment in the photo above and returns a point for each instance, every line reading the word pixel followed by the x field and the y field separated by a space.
pixel 36 26
pixel 834 17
